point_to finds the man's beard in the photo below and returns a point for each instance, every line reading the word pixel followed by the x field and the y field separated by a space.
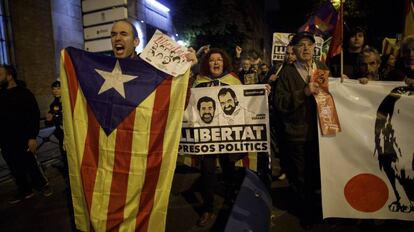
pixel 229 110
pixel 207 119
pixel 4 84
pixel 371 74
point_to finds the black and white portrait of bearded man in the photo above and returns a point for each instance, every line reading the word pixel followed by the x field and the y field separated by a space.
pixel 395 147
pixel 206 107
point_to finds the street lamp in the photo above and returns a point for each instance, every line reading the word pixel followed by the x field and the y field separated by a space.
pixel 336 3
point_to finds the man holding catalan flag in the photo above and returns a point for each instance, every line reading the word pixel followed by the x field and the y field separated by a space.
pixel 120 122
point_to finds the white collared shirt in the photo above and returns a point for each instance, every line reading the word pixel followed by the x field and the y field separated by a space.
pixel 304 71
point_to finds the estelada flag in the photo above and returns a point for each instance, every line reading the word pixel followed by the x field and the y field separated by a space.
pixel 335 46
pixel 322 21
pixel 121 124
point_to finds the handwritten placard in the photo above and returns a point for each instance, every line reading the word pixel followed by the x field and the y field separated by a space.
pixel 165 54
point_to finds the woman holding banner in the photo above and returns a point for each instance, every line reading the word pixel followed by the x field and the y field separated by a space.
pixel 215 70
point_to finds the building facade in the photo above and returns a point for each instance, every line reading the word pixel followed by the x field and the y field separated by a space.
pixel 32 33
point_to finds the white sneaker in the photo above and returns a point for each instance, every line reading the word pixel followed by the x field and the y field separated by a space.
pixel 282 176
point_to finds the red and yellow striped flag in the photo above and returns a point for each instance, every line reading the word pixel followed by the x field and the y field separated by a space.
pixel 121 137
pixel 408 28
pixel 335 46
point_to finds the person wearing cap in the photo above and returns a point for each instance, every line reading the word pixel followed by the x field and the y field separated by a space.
pixel 296 108
pixel 54 118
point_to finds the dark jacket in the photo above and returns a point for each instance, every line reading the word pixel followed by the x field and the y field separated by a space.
pixel 19 116
pixel 55 109
pixel 296 111
pixel 350 65
pixel 400 73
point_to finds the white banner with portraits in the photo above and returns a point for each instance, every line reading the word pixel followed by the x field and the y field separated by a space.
pixel 226 119
pixel 367 170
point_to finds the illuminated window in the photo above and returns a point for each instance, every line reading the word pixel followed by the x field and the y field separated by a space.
pixel 4 19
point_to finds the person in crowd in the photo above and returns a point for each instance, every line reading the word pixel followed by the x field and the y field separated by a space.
pixel 259 74
pixel 54 118
pixel 290 57
pixel 255 63
pixel 251 77
pixel 255 57
pixel 276 64
pixel 19 127
pixel 277 144
pixel 405 71
pixel 368 61
pixel 215 70
pixel 387 64
pixel 296 106
pixel 246 64
pixel 202 51
pixel 264 73
pixel 237 58
pixel 354 42
pixel 245 68
pixel 276 141
pixel 124 40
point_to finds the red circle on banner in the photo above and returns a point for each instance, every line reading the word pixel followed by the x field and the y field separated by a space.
pixel 366 192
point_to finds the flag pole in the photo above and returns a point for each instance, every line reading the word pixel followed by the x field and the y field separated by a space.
pixel 341 20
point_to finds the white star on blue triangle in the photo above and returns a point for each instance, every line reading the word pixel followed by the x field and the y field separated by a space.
pixel 114 79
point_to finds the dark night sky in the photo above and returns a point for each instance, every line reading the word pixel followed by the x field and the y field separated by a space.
pixel 288 15
pixel 384 17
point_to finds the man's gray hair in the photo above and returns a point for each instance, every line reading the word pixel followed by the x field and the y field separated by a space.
pixel 366 51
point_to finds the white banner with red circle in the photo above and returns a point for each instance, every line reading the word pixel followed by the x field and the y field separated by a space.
pixel 367 169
